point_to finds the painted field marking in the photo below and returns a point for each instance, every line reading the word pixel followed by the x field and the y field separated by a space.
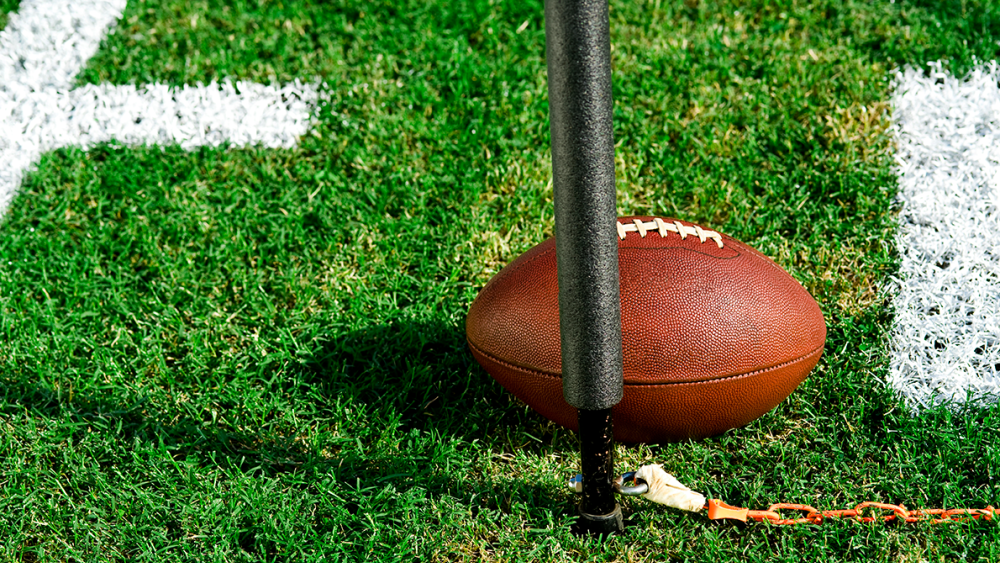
pixel 946 332
pixel 45 45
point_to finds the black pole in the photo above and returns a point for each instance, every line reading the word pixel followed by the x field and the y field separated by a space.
pixel 578 52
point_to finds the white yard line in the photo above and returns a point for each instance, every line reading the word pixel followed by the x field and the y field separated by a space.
pixel 946 333
pixel 46 44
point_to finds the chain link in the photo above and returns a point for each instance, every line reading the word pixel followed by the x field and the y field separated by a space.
pixel 630 485
pixel 864 512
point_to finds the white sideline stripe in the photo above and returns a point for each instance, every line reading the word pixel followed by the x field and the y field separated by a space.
pixel 47 42
pixel 946 332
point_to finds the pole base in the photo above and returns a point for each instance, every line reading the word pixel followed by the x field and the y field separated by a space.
pixel 600 525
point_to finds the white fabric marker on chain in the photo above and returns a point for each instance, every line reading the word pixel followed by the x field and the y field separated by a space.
pixel 660 487
pixel 664 488
pixel 45 45
pixel 946 332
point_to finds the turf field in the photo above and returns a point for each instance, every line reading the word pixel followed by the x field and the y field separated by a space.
pixel 250 354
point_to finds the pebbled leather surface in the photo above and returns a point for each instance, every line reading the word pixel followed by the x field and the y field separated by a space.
pixel 712 338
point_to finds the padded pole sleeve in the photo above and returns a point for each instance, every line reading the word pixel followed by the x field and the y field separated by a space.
pixel 578 53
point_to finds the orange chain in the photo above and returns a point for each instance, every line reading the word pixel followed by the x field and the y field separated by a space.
pixel 719 510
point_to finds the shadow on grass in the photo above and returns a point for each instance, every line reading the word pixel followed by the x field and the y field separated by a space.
pixel 420 375
pixel 401 404
pixel 417 381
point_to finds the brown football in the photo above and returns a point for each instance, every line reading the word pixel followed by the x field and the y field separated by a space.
pixel 714 334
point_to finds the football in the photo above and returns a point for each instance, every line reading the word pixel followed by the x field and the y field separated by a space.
pixel 714 333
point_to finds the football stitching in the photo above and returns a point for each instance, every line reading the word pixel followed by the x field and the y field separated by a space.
pixel 662 227
pixel 655 225
pixel 677 227
pixel 806 356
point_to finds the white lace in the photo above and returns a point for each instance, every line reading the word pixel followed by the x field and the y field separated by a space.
pixel 663 227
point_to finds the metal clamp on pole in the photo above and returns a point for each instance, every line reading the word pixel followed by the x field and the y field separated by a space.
pixel 627 484
pixel 578 55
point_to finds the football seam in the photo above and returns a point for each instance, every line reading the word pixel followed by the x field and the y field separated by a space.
pixel 730 239
pixel 770 262
pixel 766 259
pixel 806 356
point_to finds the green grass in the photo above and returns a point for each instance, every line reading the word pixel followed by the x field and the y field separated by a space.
pixel 6 7
pixel 258 355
